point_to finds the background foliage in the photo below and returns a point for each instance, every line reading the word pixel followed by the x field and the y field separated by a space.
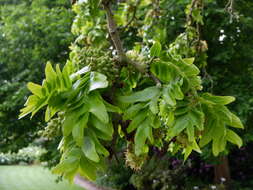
pixel 31 33
pixel 26 48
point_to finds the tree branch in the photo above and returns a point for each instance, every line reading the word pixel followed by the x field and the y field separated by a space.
pixel 134 14
pixel 112 27
pixel 114 34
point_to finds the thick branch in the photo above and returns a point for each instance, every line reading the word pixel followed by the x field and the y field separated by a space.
pixel 112 27
pixel 87 184
pixel 114 34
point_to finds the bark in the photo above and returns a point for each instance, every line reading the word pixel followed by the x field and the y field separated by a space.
pixel 115 37
pixel 222 170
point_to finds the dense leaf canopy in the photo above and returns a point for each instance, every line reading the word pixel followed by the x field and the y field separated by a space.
pixel 141 76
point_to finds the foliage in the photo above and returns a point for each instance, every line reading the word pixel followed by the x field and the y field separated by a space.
pixel 32 32
pixel 161 172
pixel 83 107
pixel 116 175
pixel 51 156
pixel 160 105
pixel 162 176
pixel 229 55
pixel 26 155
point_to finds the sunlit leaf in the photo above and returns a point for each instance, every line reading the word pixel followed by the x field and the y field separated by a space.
pixel 141 96
pixel 35 89
pixel 233 138
pixel 155 49
pixel 98 108
pixel 89 149
pixel 97 80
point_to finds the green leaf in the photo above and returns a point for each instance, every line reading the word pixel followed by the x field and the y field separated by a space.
pixel 78 130
pixel 131 112
pixel 82 71
pixel 181 110
pixel 191 70
pixel 101 135
pixel 196 14
pixel 155 49
pixel 66 75
pixel 75 100
pixel 195 82
pixel 189 60
pixel 219 140
pixel 195 146
pixel 178 94
pixel 170 118
pixel 169 96
pixel 208 133
pixel 68 166
pixel 112 108
pixel 87 169
pixel 68 68
pixel 65 165
pixel 141 96
pixel 197 118
pixel 153 105
pixel 35 89
pixel 99 147
pixel 163 71
pixel 56 101
pixel 185 69
pixel 233 138
pixel 50 73
pixel 150 132
pixel 69 123
pixel 75 152
pixel 40 104
pixel 180 124
pixel 216 147
pixel 71 174
pixel 97 80
pixel 94 5
pixel 141 135
pixel 187 152
pixel 236 122
pixel 105 128
pixel 89 149
pixel 223 143
pixel 223 100
pixel 137 121
pixel 60 78
pixel 72 118
pixel 82 82
pixel 30 104
pixel 223 113
pixel 190 133
pixel 219 129
pixel 50 112
pixel 98 108
pixel 155 122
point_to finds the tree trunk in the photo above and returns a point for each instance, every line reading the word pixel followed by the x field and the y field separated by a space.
pixel 222 171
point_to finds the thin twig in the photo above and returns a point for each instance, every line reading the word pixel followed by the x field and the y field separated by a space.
pixel 134 14
pixel 230 9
